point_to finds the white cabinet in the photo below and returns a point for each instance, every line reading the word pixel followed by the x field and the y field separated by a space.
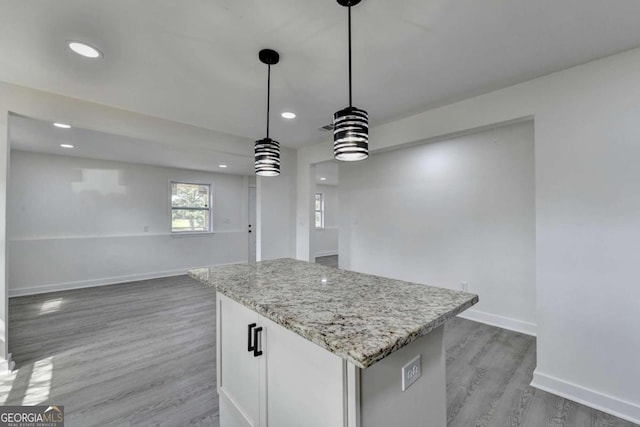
pixel 304 382
pixel 238 370
pixel 288 381
pixel 292 383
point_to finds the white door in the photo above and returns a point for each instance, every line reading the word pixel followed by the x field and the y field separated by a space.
pixel 238 369
pixel 252 224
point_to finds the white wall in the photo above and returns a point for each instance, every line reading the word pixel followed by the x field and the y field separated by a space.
pixel 76 222
pixel 5 357
pixel 325 241
pixel 276 210
pixel 87 115
pixel 446 212
pixel 587 223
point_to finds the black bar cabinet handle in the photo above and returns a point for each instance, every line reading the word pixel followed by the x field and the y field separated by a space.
pixel 250 346
pixel 256 352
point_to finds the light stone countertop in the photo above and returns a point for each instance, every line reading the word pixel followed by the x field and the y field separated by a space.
pixel 359 317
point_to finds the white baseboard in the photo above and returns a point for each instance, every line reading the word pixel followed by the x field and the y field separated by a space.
pixel 102 281
pixel 326 253
pixel 6 366
pixel 591 398
pixel 500 321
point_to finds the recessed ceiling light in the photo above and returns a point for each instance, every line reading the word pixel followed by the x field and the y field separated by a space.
pixel 323 179
pixel 66 145
pixel 222 166
pixel 288 115
pixel 62 125
pixel 85 50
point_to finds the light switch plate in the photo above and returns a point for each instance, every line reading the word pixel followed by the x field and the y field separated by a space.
pixel 411 372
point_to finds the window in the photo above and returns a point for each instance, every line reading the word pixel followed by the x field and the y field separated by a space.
pixel 190 207
pixel 319 208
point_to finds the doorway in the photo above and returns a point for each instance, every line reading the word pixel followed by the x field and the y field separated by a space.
pixel 324 244
pixel 252 226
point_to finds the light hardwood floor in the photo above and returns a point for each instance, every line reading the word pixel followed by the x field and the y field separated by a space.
pixel 143 354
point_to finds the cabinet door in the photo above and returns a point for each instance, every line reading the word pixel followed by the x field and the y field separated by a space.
pixel 238 371
pixel 304 382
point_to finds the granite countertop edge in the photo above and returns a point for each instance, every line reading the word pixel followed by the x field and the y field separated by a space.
pixel 362 362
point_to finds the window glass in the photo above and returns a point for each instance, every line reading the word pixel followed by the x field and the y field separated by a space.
pixel 319 210
pixel 190 207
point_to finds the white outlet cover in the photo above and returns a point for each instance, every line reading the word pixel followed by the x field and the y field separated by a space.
pixel 411 372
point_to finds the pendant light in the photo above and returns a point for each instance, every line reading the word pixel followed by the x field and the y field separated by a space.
pixel 267 161
pixel 350 125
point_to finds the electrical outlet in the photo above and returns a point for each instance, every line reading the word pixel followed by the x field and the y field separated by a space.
pixel 411 372
pixel 464 286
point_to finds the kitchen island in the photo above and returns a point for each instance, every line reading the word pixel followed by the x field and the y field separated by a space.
pixel 301 344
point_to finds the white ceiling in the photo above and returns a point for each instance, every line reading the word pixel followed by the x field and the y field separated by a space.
pixel 28 134
pixel 196 61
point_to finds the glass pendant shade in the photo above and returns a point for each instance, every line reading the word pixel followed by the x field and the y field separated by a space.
pixel 351 134
pixel 267 160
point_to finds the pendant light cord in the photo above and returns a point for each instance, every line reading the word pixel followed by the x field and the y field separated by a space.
pixel 350 101
pixel 268 96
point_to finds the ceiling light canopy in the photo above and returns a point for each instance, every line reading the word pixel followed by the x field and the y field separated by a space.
pixel 62 125
pixel 267 151
pixel 288 115
pixel 66 145
pixel 84 49
pixel 351 124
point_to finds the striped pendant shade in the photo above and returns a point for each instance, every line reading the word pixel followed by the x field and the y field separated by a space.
pixel 351 134
pixel 267 162
pixel 351 124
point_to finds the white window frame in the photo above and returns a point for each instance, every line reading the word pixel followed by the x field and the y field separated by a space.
pixel 209 208
pixel 321 210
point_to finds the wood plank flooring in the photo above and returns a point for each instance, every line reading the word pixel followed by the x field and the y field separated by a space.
pixel 143 354
pixel 488 374
pixel 140 354
pixel 329 261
